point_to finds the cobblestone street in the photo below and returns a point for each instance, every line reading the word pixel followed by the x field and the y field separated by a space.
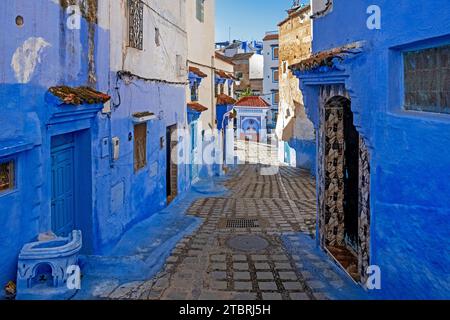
pixel 213 264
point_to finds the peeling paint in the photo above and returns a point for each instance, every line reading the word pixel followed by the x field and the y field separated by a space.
pixel 27 57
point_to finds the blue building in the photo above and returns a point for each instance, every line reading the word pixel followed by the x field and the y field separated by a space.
pixel 376 88
pixel 88 124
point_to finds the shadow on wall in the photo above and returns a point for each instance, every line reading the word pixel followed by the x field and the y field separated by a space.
pixel 302 154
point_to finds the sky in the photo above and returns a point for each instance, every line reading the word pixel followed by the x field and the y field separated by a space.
pixel 249 19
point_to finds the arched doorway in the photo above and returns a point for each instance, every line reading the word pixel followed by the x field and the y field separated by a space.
pixel 251 129
pixel 344 176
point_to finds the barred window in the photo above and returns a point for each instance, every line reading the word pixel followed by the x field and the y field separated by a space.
pixel 201 10
pixel 136 24
pixel 140 146
pixel 427 80
pixel 6 176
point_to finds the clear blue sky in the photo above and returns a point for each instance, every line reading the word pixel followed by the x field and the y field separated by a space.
pixel 249 19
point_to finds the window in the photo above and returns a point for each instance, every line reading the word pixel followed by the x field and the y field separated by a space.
pixel 201 10
pixel 229 90
pixel 275 52
pixel 239 75
pixel 275 75
pixel 157 36
pixel 222 88
pixel 140 146
pixel 194 92
pixel 276 98
pixel 285 67
pixel 136 24
pixel 427 80
pixel 6 176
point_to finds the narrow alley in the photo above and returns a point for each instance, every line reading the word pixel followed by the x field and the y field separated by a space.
pixel 238 251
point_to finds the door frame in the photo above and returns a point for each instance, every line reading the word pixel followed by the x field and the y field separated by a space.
pixel 83 184
pixel 334 233
pixel 171 189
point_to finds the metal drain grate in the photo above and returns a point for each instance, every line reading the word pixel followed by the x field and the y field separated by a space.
pixel 242 223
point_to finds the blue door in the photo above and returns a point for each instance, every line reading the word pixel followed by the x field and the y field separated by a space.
pixel 63 188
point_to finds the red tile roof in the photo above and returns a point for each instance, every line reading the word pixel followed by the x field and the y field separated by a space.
pixel 197 106
pixel 79 95
pixel 222 74
pixel 224 99
pixel 253 101
pixel 225 75
pixel 198 72
pixel 271 37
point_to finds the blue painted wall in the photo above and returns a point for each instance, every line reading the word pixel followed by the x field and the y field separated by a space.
pixel 117 197
pixel 221 110
pixel 409 150
pixel 305 153
pixel 137 195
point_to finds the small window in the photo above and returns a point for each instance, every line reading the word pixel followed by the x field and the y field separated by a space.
pixel 201 10
pixel 427 80
pixel 194 92
pixel 6 176
pixel 140 146
pixel 157 36
pixel 136 24
pixel 239 75
pixel 285 67
pixel 276 98
pixel 276 75
pixel 275 52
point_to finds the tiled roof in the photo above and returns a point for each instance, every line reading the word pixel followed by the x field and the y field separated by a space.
pixel 198 72
pixel 79 95
pixel 326 58
pixel 224 58
pixel 224 99
pixel 225 75
pixel 197 107
pixel 222 74
pixel 253 101
pixel 271 37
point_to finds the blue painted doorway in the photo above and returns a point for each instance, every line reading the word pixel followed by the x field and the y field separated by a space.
pixel 63 184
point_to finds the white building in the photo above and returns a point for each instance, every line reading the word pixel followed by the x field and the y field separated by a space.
pixel 271 75
pixel 200 28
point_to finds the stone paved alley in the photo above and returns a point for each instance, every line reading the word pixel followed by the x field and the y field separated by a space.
pixel 207 265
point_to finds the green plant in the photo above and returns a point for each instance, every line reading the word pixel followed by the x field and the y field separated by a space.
pixel 247 93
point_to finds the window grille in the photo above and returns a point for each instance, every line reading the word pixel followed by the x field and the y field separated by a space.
pixel 427 80
pixel 6 176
